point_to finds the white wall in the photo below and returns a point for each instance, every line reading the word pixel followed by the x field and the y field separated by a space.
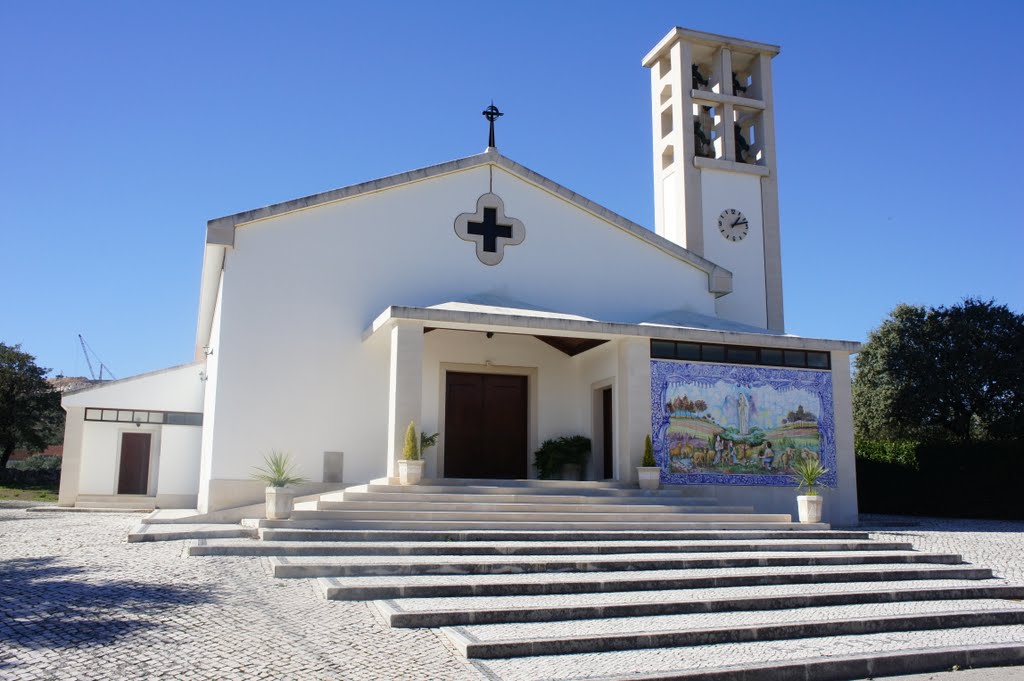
pixel 210 404
pixel 91 462
pixel 175 389
pixel 299 289
pixel 101 448
pixel 179 460
pixel 745 259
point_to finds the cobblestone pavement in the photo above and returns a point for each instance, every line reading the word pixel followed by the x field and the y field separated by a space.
pixel 78 602
pixel 996 544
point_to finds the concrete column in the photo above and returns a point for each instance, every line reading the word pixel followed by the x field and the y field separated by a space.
pixel 843 511
pixel 405 387
pixel 634 404
pixel 728 138
pixel 71 461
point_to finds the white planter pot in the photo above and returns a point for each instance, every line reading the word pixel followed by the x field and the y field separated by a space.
pixel 410 472
pixel 279 503
pixel 650 476
pixel 809 508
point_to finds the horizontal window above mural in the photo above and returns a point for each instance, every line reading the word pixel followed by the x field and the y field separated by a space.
pixel 169 418
pixel 740 354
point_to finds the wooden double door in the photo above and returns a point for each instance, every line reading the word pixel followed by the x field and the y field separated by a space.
pixel 485 426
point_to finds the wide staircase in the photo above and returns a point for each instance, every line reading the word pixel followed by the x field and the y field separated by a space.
pixel 556 580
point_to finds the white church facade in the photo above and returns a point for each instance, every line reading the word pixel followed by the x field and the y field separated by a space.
pixel 498 308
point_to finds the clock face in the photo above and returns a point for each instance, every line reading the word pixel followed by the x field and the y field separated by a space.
pixel 732 224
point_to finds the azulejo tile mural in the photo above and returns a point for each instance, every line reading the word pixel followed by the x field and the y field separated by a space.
pixel 733 425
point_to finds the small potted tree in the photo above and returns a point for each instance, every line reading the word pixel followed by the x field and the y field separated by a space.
pixel 648 472
pixel 807 471
pixel 278 473
pixel 410 468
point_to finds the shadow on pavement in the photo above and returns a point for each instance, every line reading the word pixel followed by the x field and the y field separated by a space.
pixel 44 604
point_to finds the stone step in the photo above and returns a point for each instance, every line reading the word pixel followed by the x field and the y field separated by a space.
pixel 526 515
pixel 441 612
pixel 129 502
pixel 534 525
pixel 360 566
pixel 554 548
pixel 197 531
pixel 861 656
pixel 482 506
pixel 538 584
pixel 444 535
pixel 631 633
pixel 553 496
pixel 558 487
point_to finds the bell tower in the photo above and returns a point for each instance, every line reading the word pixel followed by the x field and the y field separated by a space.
pixel 715 178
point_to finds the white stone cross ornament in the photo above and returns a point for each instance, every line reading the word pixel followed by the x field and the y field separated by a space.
pixel 490 229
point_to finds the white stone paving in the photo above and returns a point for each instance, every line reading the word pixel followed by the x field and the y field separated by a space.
pixel 624 575
pixel 725 620
pixel 631 558
pixel 78 602
pixel 673 596
pixel 650 661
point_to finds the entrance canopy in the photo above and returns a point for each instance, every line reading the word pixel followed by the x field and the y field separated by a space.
pixel 449 354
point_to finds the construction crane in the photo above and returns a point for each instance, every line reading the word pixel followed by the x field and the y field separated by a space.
pixel 86 349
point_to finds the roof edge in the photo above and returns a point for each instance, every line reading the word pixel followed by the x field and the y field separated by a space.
pixel 220 231
pixel 554 326
pixel 712 39
pixel 127 379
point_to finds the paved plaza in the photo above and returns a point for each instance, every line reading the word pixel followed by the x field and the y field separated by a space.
pixel 78 602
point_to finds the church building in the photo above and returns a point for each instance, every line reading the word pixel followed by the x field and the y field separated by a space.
pixel 499 308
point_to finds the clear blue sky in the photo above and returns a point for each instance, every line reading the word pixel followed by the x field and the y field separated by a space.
pixel 125 126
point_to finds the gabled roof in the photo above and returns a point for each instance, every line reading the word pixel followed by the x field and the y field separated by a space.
pixel 220 232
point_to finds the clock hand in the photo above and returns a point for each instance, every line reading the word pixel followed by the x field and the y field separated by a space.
pixel 739 222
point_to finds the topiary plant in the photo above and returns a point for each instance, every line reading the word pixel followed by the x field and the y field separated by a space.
pixel 411 450
pixel 648 460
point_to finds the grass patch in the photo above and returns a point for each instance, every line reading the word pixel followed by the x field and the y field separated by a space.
pixel 32 493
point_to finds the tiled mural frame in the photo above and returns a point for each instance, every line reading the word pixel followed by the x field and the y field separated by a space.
pixel 818 383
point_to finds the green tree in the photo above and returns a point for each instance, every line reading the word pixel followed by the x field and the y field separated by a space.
pixel 945 373
pixel 30 411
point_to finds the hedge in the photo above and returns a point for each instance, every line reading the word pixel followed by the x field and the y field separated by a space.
pixel 964 480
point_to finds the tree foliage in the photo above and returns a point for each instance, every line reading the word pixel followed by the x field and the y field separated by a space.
pixel 30 410
pixel 945 373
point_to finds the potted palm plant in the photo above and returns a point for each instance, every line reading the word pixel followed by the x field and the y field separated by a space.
pixel 807 471
pixel 648 472
pixel 278 473
pixel 410 468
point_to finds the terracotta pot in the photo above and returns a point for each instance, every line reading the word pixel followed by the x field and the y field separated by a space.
pixel 650 476
pixel 410 472
pixel 809 508
pixel 279 503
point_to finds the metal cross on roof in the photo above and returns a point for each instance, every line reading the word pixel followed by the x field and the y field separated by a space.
pixel 491 113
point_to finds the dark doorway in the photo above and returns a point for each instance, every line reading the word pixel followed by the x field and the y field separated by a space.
pixel 607 435
pixel 485 426
pixel 133 477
